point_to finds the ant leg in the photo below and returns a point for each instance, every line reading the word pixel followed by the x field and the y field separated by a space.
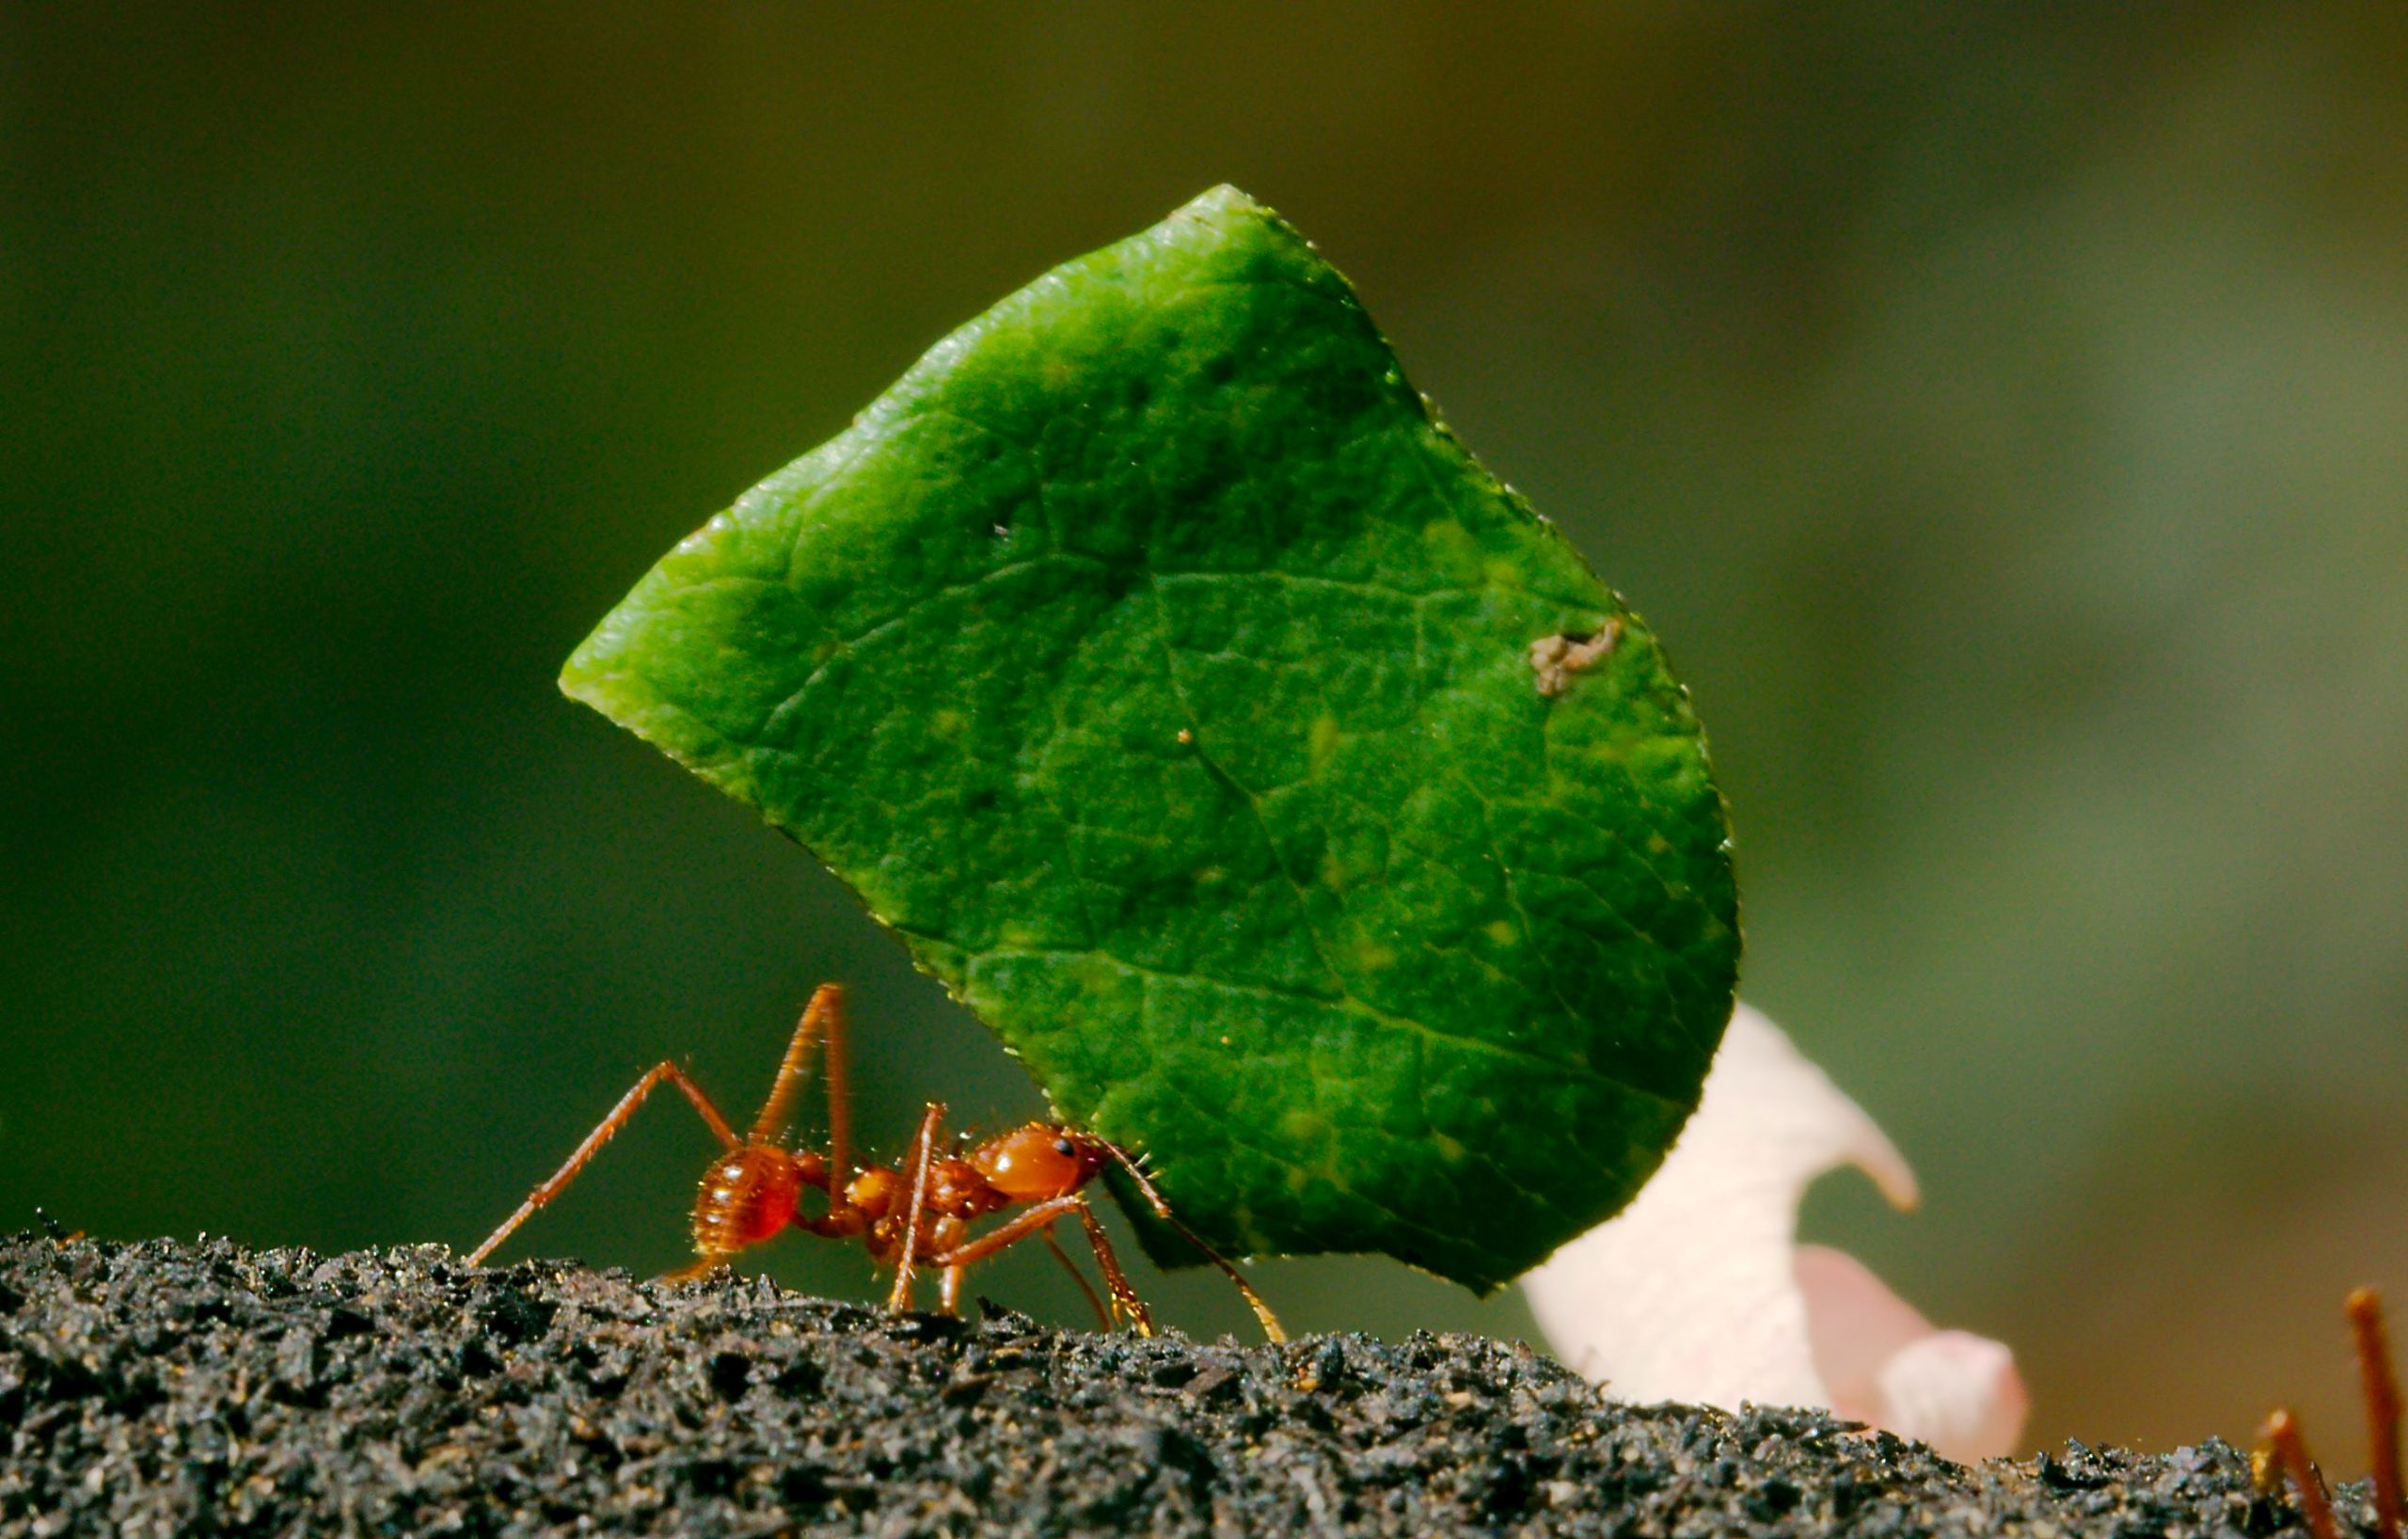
pixel 56 1230
pixel 2291 1448
pixel 2382 1408
pixel 1039 1219
pixel 923 1157
pixel 1095 1300
pixel 1114 1277
pixel 1145 1185
pixel 949 1291
pixel 603 1135
pixel 699 1270
pixel 1102 1318
pixel 778 1110
pixel 1022 1225
pixel 840 1094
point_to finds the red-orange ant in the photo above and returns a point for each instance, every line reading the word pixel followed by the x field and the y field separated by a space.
pixel 2286 1449
pixel 754 1189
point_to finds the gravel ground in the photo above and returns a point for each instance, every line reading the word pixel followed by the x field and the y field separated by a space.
pixel 165 1388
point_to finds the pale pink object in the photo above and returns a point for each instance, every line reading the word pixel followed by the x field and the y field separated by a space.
pixel 1699 1291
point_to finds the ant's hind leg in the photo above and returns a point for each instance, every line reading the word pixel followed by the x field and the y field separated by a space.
pixel 700 1269
pixel 823 1020
pixel 602 1134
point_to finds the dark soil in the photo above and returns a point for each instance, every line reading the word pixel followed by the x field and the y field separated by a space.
pixel 164 1387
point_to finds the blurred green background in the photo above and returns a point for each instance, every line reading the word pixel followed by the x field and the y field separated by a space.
pixel 2002 412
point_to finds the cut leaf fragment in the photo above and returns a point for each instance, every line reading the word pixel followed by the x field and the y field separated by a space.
pixel 1160 670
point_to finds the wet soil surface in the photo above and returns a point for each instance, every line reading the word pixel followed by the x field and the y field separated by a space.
pixel 164 1387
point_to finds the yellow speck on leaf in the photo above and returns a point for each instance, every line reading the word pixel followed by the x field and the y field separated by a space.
pixel 1326 735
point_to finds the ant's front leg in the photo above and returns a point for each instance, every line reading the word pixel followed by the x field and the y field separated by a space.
pixel 1135 1170
pixel 1040 1219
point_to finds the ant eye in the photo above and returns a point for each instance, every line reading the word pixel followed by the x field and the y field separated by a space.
pixel 1065 1147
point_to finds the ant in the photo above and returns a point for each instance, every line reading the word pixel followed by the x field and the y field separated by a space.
pixel 908 1221
pixel 2286 1451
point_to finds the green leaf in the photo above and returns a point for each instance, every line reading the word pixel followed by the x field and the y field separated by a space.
pixel 1218 731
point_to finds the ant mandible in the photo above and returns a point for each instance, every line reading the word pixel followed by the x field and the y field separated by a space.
pixel 754 1189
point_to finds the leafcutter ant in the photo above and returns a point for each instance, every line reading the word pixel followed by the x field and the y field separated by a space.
pixel 2285 1450
pixel 913 1219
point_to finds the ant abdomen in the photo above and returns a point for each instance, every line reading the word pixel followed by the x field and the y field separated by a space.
pixel 747 1196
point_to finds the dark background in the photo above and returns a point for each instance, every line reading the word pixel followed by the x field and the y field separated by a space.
pixel 2002 412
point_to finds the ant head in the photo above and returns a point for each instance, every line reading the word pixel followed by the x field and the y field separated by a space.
pixel 1040 1161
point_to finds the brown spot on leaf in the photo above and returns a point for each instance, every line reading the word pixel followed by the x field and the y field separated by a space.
pixel 1556 659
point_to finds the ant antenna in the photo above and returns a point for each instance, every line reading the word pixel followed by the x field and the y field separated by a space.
pixel 1135 1165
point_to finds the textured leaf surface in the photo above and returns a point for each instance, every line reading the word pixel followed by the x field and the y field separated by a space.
pixel 1152 661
